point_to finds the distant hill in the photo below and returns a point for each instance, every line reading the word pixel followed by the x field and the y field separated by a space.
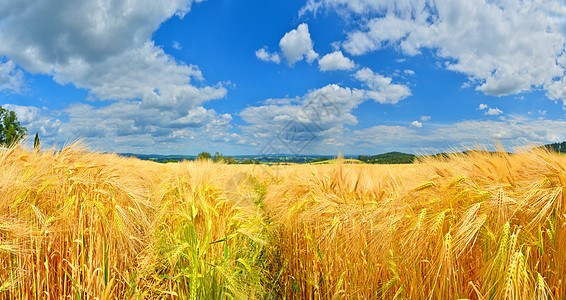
pixel 335 161
pixel 385 158
pixel 557 147
pixel 239 159
pixel 447 155
pixel 388 158
pixel 159 158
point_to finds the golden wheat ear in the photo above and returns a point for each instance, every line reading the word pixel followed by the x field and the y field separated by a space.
pixel 477 225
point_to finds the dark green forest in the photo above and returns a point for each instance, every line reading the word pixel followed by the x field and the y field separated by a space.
pixel 388 158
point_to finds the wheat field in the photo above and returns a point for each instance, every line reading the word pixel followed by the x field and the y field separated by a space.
pixel 81 225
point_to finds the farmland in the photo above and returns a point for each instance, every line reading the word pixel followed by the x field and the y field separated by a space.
pixel 82 225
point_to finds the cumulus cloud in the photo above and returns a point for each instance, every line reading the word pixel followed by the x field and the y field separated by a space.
pixel 493 112
pixel 263 55
pixel 557 90
pixel 381 89
pixel 127 126
pixel 513 129
pixel 319 109
pixel 511 133
pixel 176 45
pixel 145 73
pixel 490 111
pixel 25 114
pixel 38 120
pixel 135 120
pixel 42 36
pixel 335 61
pixel 416 124
pixel 312 119
pixel 380 33
pixel 346 7
pixel 319 118
pixel 105 48
pixel 297 44
pixel 11 78
pixel 504 47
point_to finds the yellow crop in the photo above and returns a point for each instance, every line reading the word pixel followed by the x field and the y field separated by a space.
pixel 82 225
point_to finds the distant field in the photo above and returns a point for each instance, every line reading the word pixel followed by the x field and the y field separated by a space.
pixel 335 161
pixel 82 225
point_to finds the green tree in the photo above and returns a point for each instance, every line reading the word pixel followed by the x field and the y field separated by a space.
pixel 230 160
pixel 204 155
pixel 36 142
pixel 250 162
pixel 218 157
pixel 319 159
pixel 11 131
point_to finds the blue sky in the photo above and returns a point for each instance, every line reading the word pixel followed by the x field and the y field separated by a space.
pixel 301 77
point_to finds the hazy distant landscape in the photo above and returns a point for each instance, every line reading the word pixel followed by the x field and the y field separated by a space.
pixel 384 158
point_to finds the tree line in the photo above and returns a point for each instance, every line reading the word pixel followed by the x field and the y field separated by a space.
pixel 557 147
pixel 219 158
pixel 388 158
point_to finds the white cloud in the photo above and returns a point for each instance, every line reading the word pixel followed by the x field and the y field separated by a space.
pixel 526 129
pixel 312 119
pixel 490 111
pixel 320 109
pixel 25 114
pixel 493 112
pixel 557 90
pixel 383 136
pixel 416 124
pixel 131 118
pixel 106 48
pixel 380 33
pixel 176 45
pixel 318 118
pixel 264 55
pixel 409 72
pixel 335 61
pixel 511 133
pixel 380 88
pixel 145 73
pixel 346 7
pixel 425 118
pixel 297 44
pixel 11 78
pixel 504 47
pixel 37 120
pixel 335 46
pixel 127 126
pixel 40 37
